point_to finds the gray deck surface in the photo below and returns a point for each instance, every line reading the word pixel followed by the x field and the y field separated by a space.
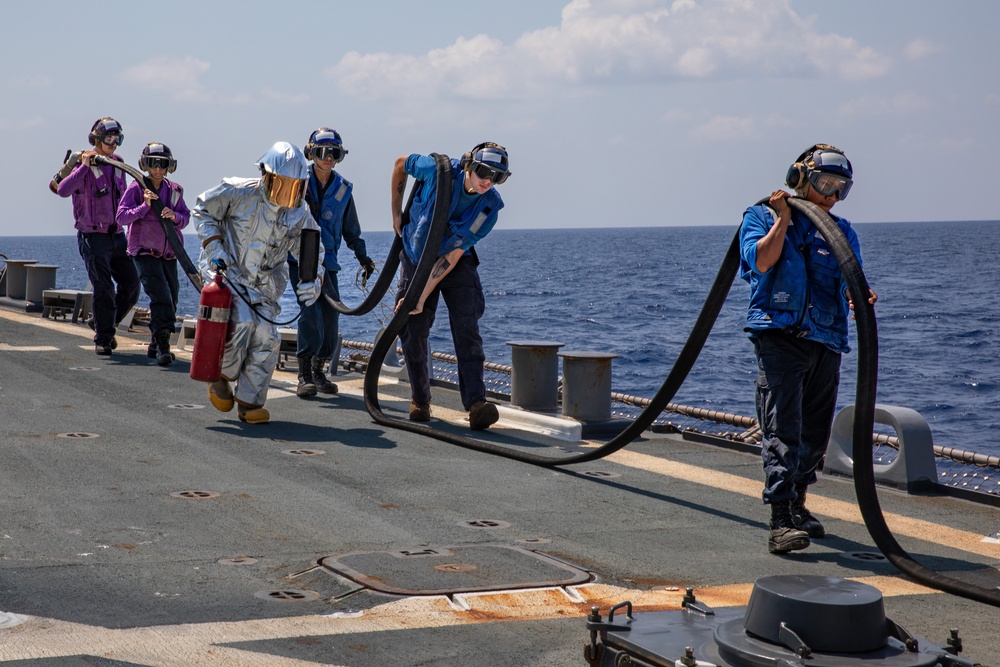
pixel 111 569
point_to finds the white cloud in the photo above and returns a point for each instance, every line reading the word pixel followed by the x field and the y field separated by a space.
pixel 729 128
pixel 296 99
pixel 181 77
pixel 920 48
pixel 900 103
pixel 31 81
pixel 600 42
pixel 32 122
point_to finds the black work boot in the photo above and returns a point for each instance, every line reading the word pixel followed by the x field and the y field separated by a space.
pixel 151 348
pixel 784 536
pixel 163 355
pixel 307 386
pixel 803 518
pixel 323 385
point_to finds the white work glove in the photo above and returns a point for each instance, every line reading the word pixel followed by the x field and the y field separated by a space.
pixel 309 292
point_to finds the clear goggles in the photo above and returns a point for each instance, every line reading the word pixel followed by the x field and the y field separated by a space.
pixel 111 139
pixel 488 173
pixel 284 191
pixel 328 152
pixel 830 184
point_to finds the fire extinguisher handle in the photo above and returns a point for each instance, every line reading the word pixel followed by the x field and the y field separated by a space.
pixel 219 264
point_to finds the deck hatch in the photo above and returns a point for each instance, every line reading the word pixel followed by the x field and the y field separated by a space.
pixel 453 569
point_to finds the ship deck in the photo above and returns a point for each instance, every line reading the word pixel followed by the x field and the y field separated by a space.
pixel 144 528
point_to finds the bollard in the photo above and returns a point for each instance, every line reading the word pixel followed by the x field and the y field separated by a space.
pixel 38 278
pixel 17 276
pixel 587 385
pixel 534 378
pixel 913 469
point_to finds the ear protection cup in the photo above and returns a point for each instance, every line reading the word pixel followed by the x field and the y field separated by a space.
pixel 796 176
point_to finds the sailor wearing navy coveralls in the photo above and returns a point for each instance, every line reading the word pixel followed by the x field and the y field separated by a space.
pixel 473 211
pixel 798 321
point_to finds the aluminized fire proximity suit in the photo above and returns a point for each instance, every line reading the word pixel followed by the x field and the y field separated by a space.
pixel 238 223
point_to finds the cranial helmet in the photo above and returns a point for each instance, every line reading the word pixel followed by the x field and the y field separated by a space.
pixel 157 150
pixel 284 169
pixel 823 166
pixel 487 160
pixel 103 127
pixel 326 138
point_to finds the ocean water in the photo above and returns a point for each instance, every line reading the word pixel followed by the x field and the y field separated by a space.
pixel 637 291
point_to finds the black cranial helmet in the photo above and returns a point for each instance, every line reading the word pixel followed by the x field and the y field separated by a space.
pixel 156 154
pixel 105 128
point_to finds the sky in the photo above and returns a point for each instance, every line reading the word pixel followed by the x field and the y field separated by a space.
pixel 615 113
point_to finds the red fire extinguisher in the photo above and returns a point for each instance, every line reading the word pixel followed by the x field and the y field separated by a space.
pixel 211 331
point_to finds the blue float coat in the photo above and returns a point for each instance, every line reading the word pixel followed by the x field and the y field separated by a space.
pixel 470 218
pixel 804 292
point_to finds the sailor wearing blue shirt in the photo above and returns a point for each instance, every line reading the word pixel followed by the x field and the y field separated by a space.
pixel 797 320
pixel 473 211
pixel 331 203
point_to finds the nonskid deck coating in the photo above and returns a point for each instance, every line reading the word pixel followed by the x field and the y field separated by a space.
pixel 105 562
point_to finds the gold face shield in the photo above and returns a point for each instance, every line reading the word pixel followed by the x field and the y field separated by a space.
pixel 284 191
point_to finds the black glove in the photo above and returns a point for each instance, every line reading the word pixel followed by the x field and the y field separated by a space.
pixel 369 267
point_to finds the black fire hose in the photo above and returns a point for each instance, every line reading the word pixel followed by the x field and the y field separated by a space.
pixel 864 417
pixel 168 228
pixel 435 235
pixel 385 277
pixel 689 354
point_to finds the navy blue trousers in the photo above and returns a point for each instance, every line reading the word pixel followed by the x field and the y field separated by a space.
pixel 463 295
pixel 319 325
pixel 797 383
pixel 113 275
pixel 159 281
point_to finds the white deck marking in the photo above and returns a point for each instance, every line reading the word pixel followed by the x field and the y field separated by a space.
pixel 189 644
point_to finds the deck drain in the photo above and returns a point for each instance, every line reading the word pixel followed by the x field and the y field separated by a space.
pixel 867 556
pixel 534 540
pixel 304 452
pixel 288 595
pixel 185 406
pixel 83 368
pixel 238 560
pixel 600 473
pixel 487 524
pixel 78 436
pixel 195 495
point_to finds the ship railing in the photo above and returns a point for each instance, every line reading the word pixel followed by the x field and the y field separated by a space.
pixel 956 468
